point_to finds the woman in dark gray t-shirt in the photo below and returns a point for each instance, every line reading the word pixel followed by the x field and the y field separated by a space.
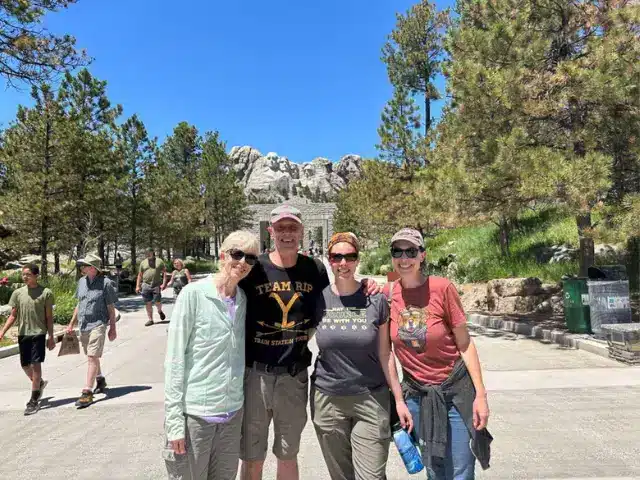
pixel 353 372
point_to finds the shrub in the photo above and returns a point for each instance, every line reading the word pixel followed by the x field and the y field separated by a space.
pixel 5 294
pixel 200 266
pixel 63 308
pixel 376 261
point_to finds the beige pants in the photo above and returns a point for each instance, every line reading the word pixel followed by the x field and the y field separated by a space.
pixel 93 341
pixel 212 451
pixel 354 433
pixel 281 398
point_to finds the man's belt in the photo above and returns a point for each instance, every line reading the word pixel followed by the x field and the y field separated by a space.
pixel 292 370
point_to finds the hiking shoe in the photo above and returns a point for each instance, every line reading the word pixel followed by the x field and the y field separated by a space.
pixel 101 385
pixel 162 316
pixel 32 407
pixel 149 323
pixel 85 399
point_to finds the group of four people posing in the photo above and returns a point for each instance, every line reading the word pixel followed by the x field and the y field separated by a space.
pixel 237 360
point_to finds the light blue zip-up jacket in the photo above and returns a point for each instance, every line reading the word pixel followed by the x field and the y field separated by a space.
pixel 204 363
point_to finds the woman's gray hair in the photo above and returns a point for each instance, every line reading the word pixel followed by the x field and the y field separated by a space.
pixel 241 240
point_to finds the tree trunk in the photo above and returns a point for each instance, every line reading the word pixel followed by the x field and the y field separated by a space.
pixel 505 239
pixel 56 262
pixel 44 227
pixel 101 245
pixel 215 242
pixel 44 267
pixel 115 248
pixel 586 255
pixel 427 114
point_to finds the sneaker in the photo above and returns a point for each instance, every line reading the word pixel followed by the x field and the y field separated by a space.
pixel 32 407
pixel 85 399
pixel 162 316
pixel 149 323
pixel 101 385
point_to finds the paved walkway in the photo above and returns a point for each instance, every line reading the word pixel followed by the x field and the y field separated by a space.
pixel 556 414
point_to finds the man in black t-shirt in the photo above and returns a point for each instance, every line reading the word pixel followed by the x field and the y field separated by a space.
pixel 281 290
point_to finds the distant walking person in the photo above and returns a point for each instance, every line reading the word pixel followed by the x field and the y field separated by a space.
pixel 151 276
pixel 180 277
pixel 96 296
pixel 204 369
pixel 32 307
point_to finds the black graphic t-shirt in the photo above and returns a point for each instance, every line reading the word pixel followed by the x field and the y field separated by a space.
pixel 281 308
pixel 348 340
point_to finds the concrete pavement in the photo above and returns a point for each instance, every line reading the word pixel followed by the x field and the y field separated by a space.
pixel 556 413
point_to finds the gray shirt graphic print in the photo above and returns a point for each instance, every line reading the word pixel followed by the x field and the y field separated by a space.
pixel 347 338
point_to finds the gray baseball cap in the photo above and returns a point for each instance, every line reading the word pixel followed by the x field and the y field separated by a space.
pixel 410 235
pixel 285 211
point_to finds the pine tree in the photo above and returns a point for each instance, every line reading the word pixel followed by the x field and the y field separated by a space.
pixel 29 52
pixel 414 51
pixel 33 156
pixel 400 139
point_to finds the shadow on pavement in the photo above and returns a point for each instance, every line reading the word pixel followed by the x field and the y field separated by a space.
pixel 133 304
pixel 112 392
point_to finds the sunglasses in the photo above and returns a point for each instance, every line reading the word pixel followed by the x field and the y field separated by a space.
pixel 238 255
pixel 409 252
pixel 338 257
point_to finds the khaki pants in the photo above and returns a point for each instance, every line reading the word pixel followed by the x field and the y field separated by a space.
pixel 354 433
pixel 212 451
pixel 93 341
pixel 282 398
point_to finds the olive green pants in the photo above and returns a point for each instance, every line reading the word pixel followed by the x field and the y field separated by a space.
pixel 354 433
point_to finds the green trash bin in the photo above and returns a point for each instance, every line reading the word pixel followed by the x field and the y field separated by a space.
pixel 576 305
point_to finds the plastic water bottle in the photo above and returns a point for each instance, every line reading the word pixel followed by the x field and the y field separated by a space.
pixel 408 450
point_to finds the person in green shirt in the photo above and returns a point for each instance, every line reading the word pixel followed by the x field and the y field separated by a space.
pixel 32 307
pixel 151 277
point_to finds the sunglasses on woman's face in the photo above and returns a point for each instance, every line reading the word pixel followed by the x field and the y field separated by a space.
pixel 409 252
pixel 338 257
pixel 238 255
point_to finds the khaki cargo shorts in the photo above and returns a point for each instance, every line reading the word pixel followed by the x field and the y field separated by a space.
pixel 282 398
pixel 93 341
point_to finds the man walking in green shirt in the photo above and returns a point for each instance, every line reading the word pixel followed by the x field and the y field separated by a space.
pixel 32 307
pixel 151 276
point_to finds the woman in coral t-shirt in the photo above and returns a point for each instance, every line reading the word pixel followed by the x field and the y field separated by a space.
pixel 442 378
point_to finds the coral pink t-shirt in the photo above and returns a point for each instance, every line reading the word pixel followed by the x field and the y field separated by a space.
pixel 422 320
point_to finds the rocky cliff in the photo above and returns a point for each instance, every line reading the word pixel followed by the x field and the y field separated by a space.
pixel 271 178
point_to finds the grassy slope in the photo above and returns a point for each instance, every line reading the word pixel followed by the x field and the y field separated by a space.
pixel 478 251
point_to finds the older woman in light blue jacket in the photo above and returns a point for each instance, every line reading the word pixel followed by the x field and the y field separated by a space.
pixel 204 369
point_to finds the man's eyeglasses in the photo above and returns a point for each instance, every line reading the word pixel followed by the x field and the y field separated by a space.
pixel 238 255
pixel 338 257
pixel 409 252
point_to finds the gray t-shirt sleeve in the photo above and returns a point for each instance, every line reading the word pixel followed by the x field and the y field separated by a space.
pixel 383 309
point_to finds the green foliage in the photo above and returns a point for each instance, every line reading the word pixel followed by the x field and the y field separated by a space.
pixel 400 139
pixel 376 261
pixel 29 52
pixel 414 51
pixel 5 294
pixel 201 266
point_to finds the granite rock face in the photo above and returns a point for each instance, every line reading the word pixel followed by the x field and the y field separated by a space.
pixel 271 178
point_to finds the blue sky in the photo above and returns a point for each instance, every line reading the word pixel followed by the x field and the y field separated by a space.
pixel 303 79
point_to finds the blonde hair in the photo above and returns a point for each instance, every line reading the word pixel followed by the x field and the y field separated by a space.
pixel 178 260
pixel 242 240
